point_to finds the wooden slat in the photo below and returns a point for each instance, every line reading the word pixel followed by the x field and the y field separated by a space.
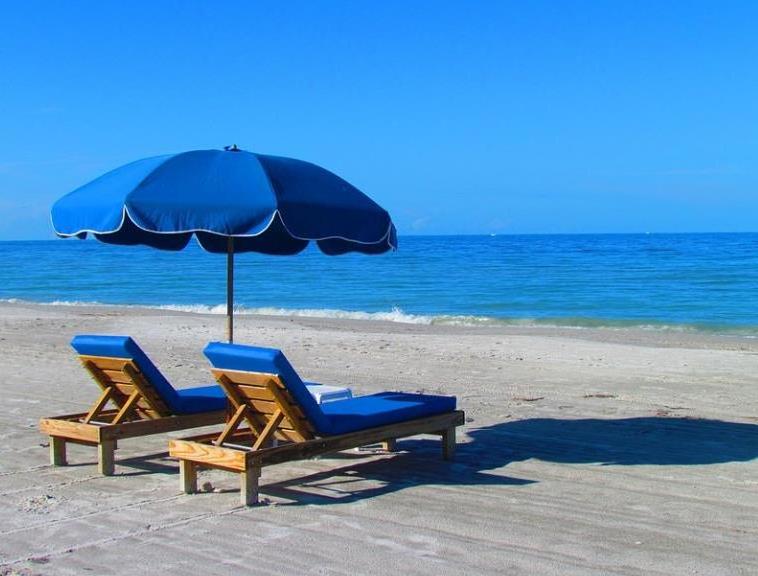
pixel 105 362
pixel 124 389
pixel 300 426
pixel 69 429
pixel 69 426
pixel 95 372
pixel 150 396
pixel 239 436
pixel 245 436
pixel 255 392
pixel 261 406
pixel 208 454
pixel 250 378
pixel 263 416
pixel 269 406
pixel 234 397
pixel 78 416
pixel 128 406
pixel 121 388
pixel 162 425
pixel 231 424
pixel 117 376
pixel 268 431
pixel 99 405
pixel 265 407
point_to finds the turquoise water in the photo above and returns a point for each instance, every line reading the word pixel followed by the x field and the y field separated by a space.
pixel 682 281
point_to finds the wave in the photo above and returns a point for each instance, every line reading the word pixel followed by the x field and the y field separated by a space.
pixel 394 315
pixel 399 316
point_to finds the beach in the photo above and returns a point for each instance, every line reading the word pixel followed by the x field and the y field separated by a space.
pixel 584 452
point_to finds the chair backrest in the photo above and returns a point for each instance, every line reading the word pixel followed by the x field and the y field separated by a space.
pixel 117 362
pixel 265 381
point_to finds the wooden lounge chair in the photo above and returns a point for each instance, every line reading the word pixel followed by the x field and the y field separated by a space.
pixel 145 403
pixel 284 423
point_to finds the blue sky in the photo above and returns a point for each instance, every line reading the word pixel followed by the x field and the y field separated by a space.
pixel 459 117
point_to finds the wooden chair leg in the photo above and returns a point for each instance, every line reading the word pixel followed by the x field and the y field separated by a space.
pixel 57 451
pixel 448 443
pixel 105 457
pixel 389 445
pixel 249 486
pixel 188 476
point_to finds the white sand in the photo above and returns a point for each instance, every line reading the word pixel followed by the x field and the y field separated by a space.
pixel 585 452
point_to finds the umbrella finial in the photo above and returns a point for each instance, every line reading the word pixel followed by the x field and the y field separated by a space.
pixel 232 148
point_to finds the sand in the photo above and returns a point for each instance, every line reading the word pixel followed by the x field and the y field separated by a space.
pixel 584 452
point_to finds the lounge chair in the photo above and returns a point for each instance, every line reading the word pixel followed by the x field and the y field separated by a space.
pixel 285 423
pixel 145 402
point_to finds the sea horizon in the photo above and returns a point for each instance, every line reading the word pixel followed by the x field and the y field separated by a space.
pixel 661 281
pixel 486 234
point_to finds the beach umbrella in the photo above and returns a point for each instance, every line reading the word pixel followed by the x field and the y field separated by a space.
pixel 231 201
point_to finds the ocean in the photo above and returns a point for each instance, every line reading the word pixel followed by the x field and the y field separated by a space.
pixel 705 282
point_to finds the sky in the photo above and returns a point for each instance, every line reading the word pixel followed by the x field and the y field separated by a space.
pixel 458 117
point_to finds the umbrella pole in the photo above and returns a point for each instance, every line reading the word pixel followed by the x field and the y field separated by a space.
pixel 230 289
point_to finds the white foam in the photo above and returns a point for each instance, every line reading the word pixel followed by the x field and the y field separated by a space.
pixel 72 303
pixel 399 316
pixel 195 308
pixel 54 302
pixel 394 315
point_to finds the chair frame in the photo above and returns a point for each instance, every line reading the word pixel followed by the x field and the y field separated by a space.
pixel 139 411
pixel 262 401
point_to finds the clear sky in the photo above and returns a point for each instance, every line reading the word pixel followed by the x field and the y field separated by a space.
pixel 458 117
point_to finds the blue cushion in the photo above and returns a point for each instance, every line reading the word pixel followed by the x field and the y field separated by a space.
pixel 382 409
pixel 125 347
pixel 340 416
pixel 201 399
pixel 268 361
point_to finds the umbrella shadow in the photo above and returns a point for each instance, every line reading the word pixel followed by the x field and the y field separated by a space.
pixel 660 441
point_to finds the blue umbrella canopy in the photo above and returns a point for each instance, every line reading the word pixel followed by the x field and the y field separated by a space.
pixel 232 201
pixel 268 204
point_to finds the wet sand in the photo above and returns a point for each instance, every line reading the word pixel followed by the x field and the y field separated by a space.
pixel 584 452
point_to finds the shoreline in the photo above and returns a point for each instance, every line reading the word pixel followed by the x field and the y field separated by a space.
pixel 655 337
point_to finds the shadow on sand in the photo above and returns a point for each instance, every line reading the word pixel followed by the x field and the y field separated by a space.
pixel 418 464
pixel 480 459
pixel 350 475
pixel 628 441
